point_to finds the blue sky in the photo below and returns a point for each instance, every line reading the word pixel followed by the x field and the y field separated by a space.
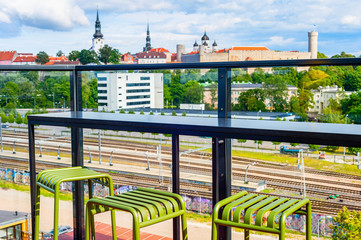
pixel 52 25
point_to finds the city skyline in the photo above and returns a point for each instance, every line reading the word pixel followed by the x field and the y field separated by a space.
pixel 33 25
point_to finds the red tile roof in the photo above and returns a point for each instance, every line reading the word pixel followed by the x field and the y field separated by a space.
pixel 249 48
pixel 151 55
pixel 243 49
pixel 7 55
pixel 158 50
pixel 24 58
pixel 194 52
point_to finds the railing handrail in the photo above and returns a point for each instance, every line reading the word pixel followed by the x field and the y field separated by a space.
pixel 200 65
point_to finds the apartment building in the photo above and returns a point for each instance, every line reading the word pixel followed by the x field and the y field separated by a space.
pixel 129 90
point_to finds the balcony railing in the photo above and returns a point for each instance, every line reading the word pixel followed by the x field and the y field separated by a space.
pixel 221 129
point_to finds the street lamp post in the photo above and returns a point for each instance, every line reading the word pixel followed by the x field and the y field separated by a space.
pixel 53 101
pixel 1 136
pixel 148 167
pixel 245 175
pixel 344 148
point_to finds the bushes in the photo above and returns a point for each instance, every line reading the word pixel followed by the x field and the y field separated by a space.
pixel 347 225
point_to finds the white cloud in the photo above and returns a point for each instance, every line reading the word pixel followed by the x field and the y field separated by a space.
pixel 4 18
pixel 49 14
pixel 350 20
pixel 280 41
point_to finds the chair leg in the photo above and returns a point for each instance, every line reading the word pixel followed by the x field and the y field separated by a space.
pixel 246 234
pixel 214 231
pixel 56 213
pixel 282 231
pixel 184 227
pixel 37 212
pixel 112 212
pixel 136 230
pixel 87 224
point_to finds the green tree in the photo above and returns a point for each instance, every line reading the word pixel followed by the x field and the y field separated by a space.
pixel 276 143
pixel 347 225
pixel 343 55
pixel 294 144
pixel 184 114
pixel 313 147
pixel 4 118
pixel 174 113
pixel 352 81
pixel 162 113
pixel 87 56
pixel 214 94
pixel 151 113
pixel 241 141
pixel 74 55
pixel 131 111
pixel 176 89
pixel 122 110
pixel 42 57
pixel 108 54
pixel 18 120
pixel 332 148
pixel 11 118
pixel 351 105
pixel 59 53
pixel 353 150
pixel 193 92
pixel 275 89
pixel 141 112
pixel 321 55
pixel 251 100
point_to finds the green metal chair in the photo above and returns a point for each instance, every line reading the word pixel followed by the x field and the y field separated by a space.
pixel 147 206
pixel 252 203
pixel 51 179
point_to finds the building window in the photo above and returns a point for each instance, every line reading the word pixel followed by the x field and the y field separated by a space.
pixel 138 103
pixel 102 78
pixel 102 97
pixel 138 97
pixel 102 91
pixel 102 85
pixel 102 104
pixel 137 84
pixel 138 90
pixel 144 78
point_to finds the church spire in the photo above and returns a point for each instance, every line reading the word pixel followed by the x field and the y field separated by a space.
pixel 98 33
pixel 148 46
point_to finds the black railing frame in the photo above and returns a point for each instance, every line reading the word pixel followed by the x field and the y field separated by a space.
pixel 221 147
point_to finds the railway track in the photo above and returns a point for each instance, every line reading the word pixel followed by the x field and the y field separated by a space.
pixel 277 175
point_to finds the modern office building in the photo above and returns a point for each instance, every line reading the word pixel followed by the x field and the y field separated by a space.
pixel 129 90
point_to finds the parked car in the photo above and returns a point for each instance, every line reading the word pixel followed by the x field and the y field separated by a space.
pixel 5 126
pixel 62 230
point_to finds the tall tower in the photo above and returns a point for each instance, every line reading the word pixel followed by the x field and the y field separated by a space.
pixel 147 41
pixel 312 43
pixel 98 41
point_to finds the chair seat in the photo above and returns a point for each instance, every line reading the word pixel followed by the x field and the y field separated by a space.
pixel 147 206
pixel 51 178
pixel 263 208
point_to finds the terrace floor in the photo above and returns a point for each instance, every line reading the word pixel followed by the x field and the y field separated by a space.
pixel 103 232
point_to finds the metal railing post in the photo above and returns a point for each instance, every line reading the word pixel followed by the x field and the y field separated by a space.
pixel 222 149
pixel 175 181
pixel 77 155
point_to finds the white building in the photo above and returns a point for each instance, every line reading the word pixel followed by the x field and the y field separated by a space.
pixel 322 96
pixel 130 90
